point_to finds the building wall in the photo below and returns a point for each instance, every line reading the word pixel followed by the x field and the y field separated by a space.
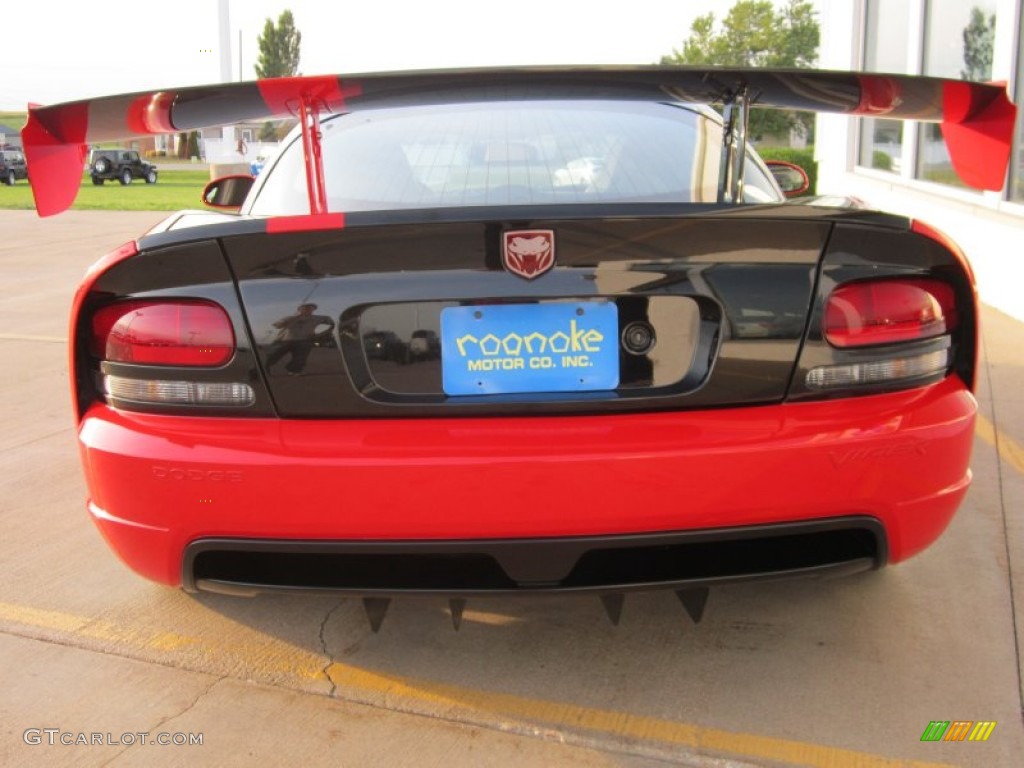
pixel 988 225
pixel 226 151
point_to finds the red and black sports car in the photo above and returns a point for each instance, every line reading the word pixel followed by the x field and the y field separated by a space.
pixel 531 330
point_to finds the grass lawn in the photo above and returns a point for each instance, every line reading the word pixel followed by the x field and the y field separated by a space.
pixel 13 119
pixel 173 191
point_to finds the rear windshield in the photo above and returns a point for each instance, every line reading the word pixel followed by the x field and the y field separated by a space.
pixel 509 154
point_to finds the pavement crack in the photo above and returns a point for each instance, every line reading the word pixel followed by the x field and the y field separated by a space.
pixel 157 727
pixel 326 652
pixel 199 697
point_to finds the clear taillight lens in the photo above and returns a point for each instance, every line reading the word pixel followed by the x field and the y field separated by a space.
pixel 164 392
pixel 879 371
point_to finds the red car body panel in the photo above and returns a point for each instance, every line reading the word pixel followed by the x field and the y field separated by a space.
pixel 157 483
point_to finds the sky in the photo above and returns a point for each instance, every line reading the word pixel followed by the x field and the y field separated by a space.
pixel 65 51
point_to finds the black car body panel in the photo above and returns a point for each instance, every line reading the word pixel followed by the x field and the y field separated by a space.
pixel 689 279
pixel 746 309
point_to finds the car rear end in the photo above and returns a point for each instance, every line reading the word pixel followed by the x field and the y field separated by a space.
pixel 688 394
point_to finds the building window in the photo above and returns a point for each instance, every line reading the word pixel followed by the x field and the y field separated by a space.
pixel 886 33
pixel 958 43
pixel 1017 158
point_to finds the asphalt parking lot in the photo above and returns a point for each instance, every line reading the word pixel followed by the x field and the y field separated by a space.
pixel 838 673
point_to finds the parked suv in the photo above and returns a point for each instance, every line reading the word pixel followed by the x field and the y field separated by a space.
pixel 121 164
pixel 12 166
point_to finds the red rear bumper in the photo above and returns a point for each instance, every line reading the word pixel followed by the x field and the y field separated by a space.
pixel 158 483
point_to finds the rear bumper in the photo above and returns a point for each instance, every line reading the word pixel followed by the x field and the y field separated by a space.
pixel 161 483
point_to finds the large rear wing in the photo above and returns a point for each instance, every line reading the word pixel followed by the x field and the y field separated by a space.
pixel 977 119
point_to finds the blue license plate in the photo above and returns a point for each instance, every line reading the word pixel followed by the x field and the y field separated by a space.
pixel 553 347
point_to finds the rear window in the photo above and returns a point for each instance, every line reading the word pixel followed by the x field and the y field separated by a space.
pixel 509 154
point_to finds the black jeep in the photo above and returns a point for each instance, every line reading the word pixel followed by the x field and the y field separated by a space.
pixel 12 166
pixel 121 164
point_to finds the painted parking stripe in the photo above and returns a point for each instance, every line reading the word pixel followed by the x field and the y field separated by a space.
pixel 467 705
pixel 1010 451
pixel 623 725
pixel 90 631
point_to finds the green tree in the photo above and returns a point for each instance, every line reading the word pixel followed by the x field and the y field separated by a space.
pixel 979 37
pixel 193 144
pixel 267 132
pixel 279 48
pixel 755 33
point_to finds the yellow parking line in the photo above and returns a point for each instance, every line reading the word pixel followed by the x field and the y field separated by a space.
pixel 295 663
pixel 553 714
pixel 1010 451
pixel 394 690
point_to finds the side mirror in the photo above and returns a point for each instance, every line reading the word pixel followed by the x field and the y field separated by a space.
pixel 792 179
pixel 227 191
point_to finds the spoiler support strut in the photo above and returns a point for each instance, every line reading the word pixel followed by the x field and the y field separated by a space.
pixel 309 119
pixel 734 147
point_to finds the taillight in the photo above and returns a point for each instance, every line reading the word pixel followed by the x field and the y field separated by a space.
pixel 882 315
pixel 878 312
pixel 174 333
pixel 156 334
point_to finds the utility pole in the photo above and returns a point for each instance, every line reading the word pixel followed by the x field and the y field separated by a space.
pixel 224 18
pixel 225 41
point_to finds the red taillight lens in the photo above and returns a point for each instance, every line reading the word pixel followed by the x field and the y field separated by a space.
pixel 180 333
pixel 888 312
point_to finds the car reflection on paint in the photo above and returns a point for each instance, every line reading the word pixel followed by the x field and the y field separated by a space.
pixel 424 345
pixel 384 345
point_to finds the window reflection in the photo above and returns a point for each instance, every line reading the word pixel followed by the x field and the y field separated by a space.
pixel 881 144
pixel 959 41
pixel 888 27
pixel 1017 163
